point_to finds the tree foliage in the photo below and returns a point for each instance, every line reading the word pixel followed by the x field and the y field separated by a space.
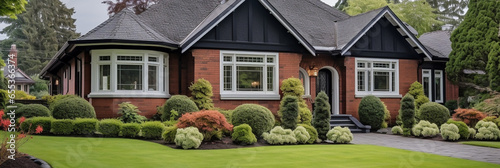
pixel 451 12
pixel 407 111
pixel 290 111
pixel 294 87
pixel 322 112
pixel 201 92
pixel 138 6
pixel 11 8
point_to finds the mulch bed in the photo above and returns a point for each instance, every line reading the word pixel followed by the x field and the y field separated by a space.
pixel 20 162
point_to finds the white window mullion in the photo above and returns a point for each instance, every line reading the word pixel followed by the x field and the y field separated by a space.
pixel 390 81
pixel 114 73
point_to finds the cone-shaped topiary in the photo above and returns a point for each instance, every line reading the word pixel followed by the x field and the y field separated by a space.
pixel 73 107
pixel 181 104
pixel 321 119
pixel 294 87
pixel 371 112
pixel 290 111
pixel 258 117
pixel 202 94
pixel 407 114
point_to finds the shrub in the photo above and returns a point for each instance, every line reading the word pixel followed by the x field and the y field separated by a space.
pixel 301 135
pixel 371 112
pixel 417 91
pixel 397 130
pixel 313 133
pixel 451 105
pixel 21 95
pixel 258 117
pixel 340 135
pixel 449 132
pixel 27 125
pixel 44 122
pixel 110 127
pixel 425 129
pixel 463 129
pixel 487 131
pixel 209 123
pixel 32 110
pixel 434 113
pixel 321 120
pixel 469 116
pixel 152 129
pixel 3 98
pixel 129 113
pixel 489 106
pixel 289 112
pixel 227 114
pixel 63 126
pixel 407 112
pixel 387 117
pixel 169 134
pixel 130 130
pixel 294 87
pixel 243 135
pixel 188 138
pixel 52 100
pixel 170 123
pixel 472 133
pixel 493 119
pixel 71 108
pixel 180 103
pixel 202 94
pixel 280 136
pixel 85 126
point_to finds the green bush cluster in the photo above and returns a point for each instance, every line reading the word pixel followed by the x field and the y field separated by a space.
pixel 130 130
pixel 407 112
pixel 201 92
pixel 44 122
pixel 472 133
pixel 451 105
pixel 371 112
pixel 169 134
pixel 152 129
pixel 301 135
pixel 313 133
pixel 52 100
pixel 85 126
pixel 3 98
pixel 170 123
pixel 32 110
pixel 397 130
pixel 289 108
pixel 188 138
pixel 294 87
pixel 180 103
pixel 258 117
pixel 487 131
pixel 449 132
pixel 425 129
pixel 489 106
pixel 110 127
pixel 242 134
pixel 62 127
pixel 71 108
pixel 417 91
pixel 387 117
pixel 434 113
pixel 493 119
pixel 463 129
pixel 339 135
pixel 129 113
pixel 227 113
pixel 279 136
pixel 321 120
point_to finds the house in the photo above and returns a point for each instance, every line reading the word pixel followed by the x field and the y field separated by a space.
pixel 23 81
pixel 245 48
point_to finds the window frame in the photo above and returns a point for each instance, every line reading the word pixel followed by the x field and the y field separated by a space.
pixel 162 74
pixel 430 84
pixel 371 69
pixel 441 86
pixel 233 94
pixel 306 82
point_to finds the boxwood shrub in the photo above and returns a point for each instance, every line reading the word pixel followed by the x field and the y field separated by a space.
pixel 371 112
pixel 52 100
pixel 130 130
pixel 44 122
pixel 180 103
pixel 71 108
pixel 85 126
pixel 32 110
pixel 258 117
pixel 434 113
pixel 313 133
pixel 242 134
pixel 62 127
pixel 152 129
pixel 188 138
pixel 110 127
pixel 463 129
pixel 169 134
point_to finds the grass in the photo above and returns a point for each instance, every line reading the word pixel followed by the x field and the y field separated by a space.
pixel 492 144
pixel 117 152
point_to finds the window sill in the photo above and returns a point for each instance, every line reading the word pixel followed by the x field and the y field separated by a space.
pixel 128 95
pixel 395 96
pixel 247 96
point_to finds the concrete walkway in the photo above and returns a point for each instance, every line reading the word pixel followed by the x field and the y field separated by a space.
pixel 451 149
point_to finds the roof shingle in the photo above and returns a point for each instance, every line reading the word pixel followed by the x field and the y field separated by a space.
pixel 437 42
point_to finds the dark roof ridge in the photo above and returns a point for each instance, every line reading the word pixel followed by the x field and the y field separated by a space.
pixel 378 10
pixel 322 8
pixel 150 30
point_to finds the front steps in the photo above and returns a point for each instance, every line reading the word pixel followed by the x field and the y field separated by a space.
pixel 345 120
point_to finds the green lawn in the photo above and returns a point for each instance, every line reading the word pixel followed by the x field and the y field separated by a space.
pixel 116 152
pixel 493 144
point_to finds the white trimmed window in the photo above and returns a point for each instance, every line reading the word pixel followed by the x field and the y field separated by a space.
pixel 129 73
pixel 427 82
pixel 438 82
pixel 379 77
pixel 304 77
pixel 249 75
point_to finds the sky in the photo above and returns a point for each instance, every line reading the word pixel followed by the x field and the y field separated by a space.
pixel 90 13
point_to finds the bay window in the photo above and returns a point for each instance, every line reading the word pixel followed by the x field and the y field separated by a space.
pixel 379 77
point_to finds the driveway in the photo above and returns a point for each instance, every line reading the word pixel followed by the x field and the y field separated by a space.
pixel 451 149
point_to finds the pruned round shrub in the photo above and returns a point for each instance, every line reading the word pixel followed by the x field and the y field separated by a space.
pixel 258 117
pixel 152 129
pixel 434 113
pixel 62 127
pixel 71 108
pixel 85 126
pixel 293 87
pixel 242 134
pixel 339 135
pixel 32 110
pixel 109 127
pixel 210 123
pixel 169 134
pixel 313 133
pixel 371 112
pixel 130 130
pixel 449 132
pixel 180 103
pixel 321 119
pixel 202 94
pixel 129 113
pixel 44 122
pixel 407 113
pixel 468 116
pixel 301 134
pixel 188 138
pixel 487 131
pixel 289 108
pixel 425 129
pixel 397 130
pixel 279 136
pixel 52 100
pixel 463 129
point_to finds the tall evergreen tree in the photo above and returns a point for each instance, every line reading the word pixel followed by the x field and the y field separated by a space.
pixel 39 32
pixel 472 42
pixel 322 112
pixel 450 11
pixel 138 6
pixel 12 7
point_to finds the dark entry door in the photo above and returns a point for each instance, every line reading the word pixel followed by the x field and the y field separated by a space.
pixel 324 83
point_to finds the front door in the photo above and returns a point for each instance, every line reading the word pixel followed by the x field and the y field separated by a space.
pixel 324 83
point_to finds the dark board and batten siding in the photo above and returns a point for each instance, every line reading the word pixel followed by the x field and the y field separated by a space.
pixel 250 27
pixel 384 41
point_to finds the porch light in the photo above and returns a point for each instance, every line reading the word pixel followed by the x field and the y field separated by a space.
pixel 57 82
pixel 313 70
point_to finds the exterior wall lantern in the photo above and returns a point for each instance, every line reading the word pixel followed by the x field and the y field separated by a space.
pixel 313 70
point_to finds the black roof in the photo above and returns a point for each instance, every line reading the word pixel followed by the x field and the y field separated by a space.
pixel 438 43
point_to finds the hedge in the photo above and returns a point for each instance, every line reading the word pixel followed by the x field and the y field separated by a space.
pixel 62 126
pixel 110 127
pixel 85 126
pixel 71 108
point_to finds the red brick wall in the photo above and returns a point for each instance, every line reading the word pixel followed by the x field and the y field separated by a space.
pixel 451 90
pixel 108 107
